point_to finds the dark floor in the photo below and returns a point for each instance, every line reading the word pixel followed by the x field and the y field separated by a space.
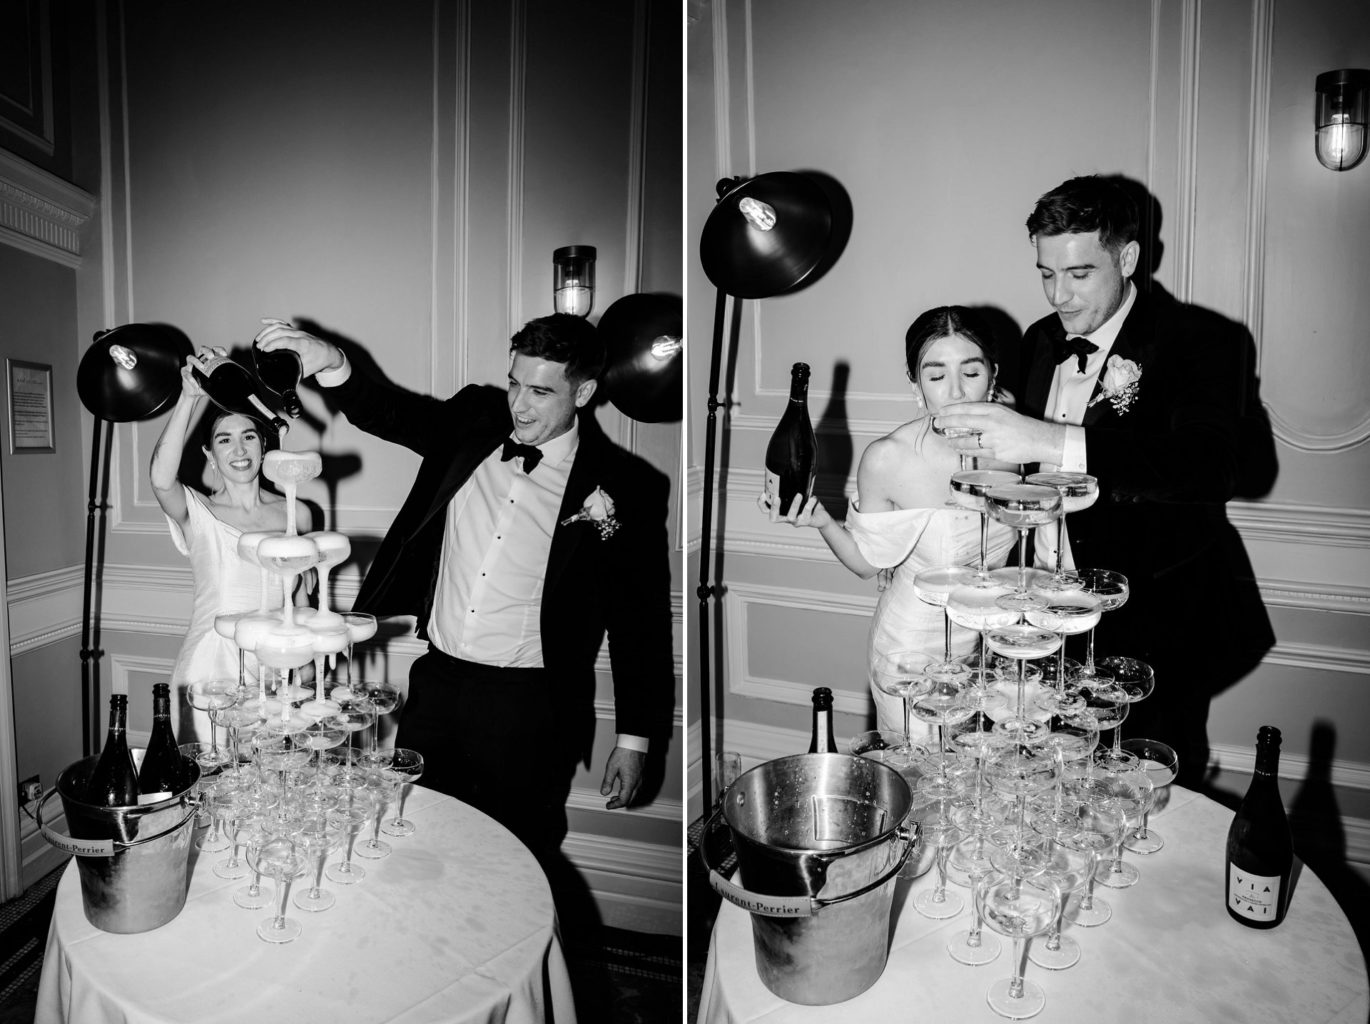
pixel 619 977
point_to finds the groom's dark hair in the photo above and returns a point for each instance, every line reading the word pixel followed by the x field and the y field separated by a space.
pixel 1082 205
pixel 563 338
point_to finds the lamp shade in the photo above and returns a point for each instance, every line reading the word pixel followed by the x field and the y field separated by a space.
pixel 643 354
pixel 766 234
pixel 132 372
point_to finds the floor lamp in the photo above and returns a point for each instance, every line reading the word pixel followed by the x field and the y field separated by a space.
pixel 129 373
pixel 764 236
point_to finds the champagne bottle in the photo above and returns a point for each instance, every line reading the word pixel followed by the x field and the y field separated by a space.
pixel 822 741
pixel 280 372
pixel 1260 852
pixel 114 783
pixel 792 454
pixel 162 770
pixel 232 389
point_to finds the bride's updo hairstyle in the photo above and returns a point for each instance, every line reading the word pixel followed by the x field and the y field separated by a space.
pixel 943 322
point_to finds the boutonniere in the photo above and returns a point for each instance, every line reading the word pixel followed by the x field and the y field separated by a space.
pixel 599 510
pixel 1121 382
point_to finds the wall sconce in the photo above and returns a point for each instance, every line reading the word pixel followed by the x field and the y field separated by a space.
pixel 1341 117
pixel 573 279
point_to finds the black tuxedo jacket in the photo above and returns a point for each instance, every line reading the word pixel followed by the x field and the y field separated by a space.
pixel 619 586
pixel 1166 467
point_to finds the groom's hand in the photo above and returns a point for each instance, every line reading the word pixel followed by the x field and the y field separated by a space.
pixel 623 773
pixel 315 353
pixel 1004 434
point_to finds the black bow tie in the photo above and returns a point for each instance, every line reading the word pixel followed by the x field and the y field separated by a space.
pixel 1064 348
pixel 531 456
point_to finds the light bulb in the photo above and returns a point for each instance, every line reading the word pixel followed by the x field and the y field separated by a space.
pixel 759 215
pixel 123 356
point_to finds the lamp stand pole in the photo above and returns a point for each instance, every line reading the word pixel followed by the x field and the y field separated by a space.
pixel 706 589
pixel 96 503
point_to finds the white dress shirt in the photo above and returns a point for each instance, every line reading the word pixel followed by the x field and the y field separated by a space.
pixel 1071 388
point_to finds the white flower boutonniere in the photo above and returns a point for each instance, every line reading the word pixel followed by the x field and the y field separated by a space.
pixel 1121 382
pixel 599 510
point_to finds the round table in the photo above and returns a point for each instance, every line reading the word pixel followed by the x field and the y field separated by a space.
pixel 1170 952
pixel 457 924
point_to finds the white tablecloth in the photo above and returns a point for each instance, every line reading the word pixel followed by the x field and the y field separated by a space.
pixel 1170 953
pixel 457 924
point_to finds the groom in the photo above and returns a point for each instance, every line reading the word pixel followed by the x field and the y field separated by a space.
pixel 1146 394
pixel 514 590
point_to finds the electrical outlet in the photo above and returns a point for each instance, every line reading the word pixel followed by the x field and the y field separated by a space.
pixel 30 789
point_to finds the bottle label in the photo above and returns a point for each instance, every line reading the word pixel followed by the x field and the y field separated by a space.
pixel 1256 897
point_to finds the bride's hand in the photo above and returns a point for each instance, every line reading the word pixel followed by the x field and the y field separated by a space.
pixel 810 513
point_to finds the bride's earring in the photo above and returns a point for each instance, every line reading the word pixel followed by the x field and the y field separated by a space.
pixel 918 399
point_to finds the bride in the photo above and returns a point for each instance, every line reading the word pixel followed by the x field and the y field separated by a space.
pixel 899 519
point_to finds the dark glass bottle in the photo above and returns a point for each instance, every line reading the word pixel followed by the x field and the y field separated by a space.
pixel 792 454
pixel 822 742
pixel 232 389
pixel 114 783
pixel 1260 852
pixel 162 769
pixel 279 372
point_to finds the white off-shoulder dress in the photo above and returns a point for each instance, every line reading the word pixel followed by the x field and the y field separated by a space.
pixel 908 541
pixel 223 583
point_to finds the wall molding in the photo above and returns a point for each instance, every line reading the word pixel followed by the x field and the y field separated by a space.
pixel 40 213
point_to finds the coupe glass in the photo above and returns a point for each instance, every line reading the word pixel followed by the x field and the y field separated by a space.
pixel 1017 908
pixel 1023 507
pixel 900 674
pixel 1078 491
pixel 319 837
pixel 1017 773
pixel 973 947
pixel 382 784
pixel 941 704
pixel 1136 680
pixel 934 586
pixel 212 696
pixel 408 765
pixel 977 607
pixel 252 896
pixel 1067 611
pixel 1099 824
pixel 940 832
pixel 334 549
pixel 968 491
pixel 288 556
pixel 280 858
pixel 1111 588
pixel 1160 764
pixel 1068 871
pixel 1023 642
pixel 349 816
pixel 361 627
pixel 384 696
pixel 1132 793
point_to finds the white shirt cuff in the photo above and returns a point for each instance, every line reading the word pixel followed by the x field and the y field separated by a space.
pixel 332 378
pixel 1073 455
pixel 638 743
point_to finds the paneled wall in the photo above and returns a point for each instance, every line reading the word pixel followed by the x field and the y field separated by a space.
pixel 941 123
pixel 397 175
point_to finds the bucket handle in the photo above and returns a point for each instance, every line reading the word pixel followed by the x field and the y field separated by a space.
pixel 98 847
pixel 794 906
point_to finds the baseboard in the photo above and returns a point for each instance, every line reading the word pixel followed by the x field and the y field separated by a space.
pixel 637 886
